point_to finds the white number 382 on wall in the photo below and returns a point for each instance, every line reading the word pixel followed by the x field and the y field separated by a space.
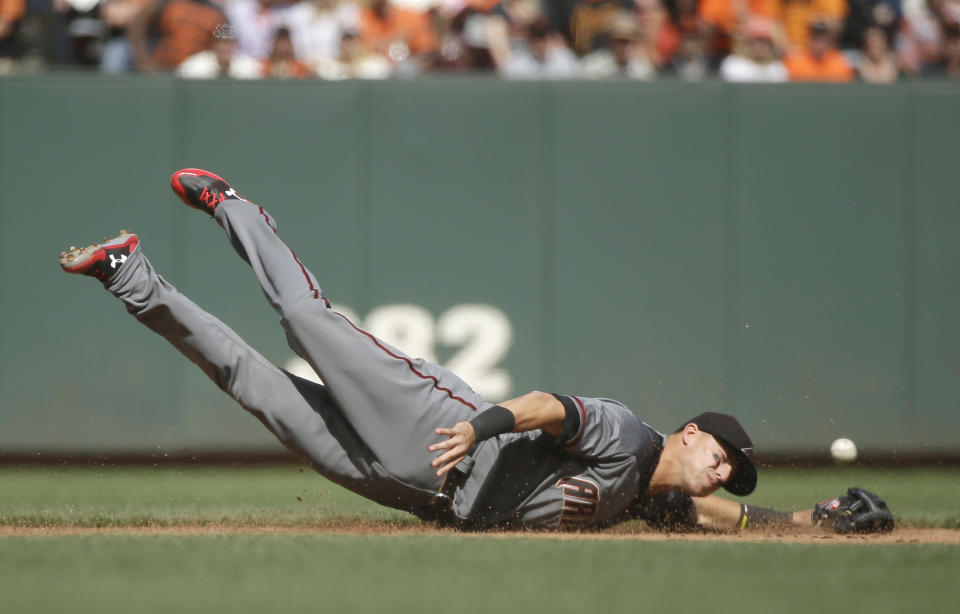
pixel 479 336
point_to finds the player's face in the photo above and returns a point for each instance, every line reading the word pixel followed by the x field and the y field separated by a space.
pixel 710 465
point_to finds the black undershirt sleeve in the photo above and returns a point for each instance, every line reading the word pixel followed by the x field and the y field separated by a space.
pixel 571 422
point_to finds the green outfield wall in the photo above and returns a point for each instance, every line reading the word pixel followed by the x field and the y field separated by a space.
pixel 786 253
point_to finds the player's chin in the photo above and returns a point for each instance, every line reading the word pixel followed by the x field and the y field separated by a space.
pixel 705 488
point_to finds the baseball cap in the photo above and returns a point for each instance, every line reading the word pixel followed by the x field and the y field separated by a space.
pixel 729 432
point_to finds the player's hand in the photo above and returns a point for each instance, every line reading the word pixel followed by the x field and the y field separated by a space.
pixel 461 438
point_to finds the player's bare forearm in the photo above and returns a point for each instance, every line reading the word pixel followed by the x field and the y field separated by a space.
pixel 537 410
pixel 534 410
pixel 722 514
pixel 717 513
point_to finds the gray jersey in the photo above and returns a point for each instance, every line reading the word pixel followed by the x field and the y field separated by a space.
pixel 534 480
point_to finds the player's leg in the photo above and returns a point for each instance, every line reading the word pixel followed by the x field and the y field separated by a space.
pixel 393 401
pixel 301 414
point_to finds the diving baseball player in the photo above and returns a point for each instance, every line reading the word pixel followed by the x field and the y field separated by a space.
pixel 412 435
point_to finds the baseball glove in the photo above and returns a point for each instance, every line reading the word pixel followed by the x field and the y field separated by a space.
pixel 859 511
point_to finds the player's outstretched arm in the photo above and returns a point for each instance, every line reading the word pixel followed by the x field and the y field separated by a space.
pixel 721 514
pixel 676 511
pixel 858 511
pixel 534 410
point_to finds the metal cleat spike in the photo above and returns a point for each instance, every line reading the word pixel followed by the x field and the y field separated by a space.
pixel 73 248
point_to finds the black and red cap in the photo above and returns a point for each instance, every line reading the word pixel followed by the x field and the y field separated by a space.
pixel 729 432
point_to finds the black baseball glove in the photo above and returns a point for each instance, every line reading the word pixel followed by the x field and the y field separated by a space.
pixel 859 511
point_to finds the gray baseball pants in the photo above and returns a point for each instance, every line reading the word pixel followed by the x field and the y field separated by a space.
pixel 368 427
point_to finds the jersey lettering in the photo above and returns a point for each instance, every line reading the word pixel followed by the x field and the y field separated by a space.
pixel 580 500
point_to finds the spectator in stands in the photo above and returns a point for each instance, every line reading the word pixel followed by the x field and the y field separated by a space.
pixel 255 23
pixel 796 15
pixel 544 56
pixel 877 64
pixel 181 28
pixel 472 36
pixel 584 22
pixel 623 57
pixel 453 54
pixel 282 62
pixel 756 57
pixel 398 34
pixel 317 28
pixel 506 24
pixel 692 61
pixel 949 64
pixel 923 46
pixel 820 60
pixel 724 17
pixel 11 12
pixel 79 29
pixel 354 61
pixel 483 34
pixel 659 40
pixel 117 15
pixel 862 14
pixel 684 16
pixel 221 60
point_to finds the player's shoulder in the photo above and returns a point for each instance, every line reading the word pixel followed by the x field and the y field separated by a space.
pixel 606 404
pixel 632 430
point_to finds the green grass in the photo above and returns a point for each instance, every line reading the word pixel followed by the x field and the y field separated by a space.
pixel 170 496
pixel 291 496
pixel 323 572
pixel 463 574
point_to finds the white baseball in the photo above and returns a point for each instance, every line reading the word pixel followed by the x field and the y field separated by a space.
pixel 843 450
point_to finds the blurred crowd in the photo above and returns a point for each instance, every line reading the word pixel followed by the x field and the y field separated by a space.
pixel 878 41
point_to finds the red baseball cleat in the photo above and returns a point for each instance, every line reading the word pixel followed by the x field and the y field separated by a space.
pixel 202 189
pixel 100 261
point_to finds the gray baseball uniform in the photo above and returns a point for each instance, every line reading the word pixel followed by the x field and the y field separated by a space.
pixel 369 426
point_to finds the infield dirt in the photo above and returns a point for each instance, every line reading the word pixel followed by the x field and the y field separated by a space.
pixel 899 536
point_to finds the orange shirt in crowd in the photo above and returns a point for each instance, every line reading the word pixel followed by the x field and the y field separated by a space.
pixel 833 66
pixel 723 13
pixel 796 15
pixel 12 10
pixel 400 24
pixel 187 28
pixel 483 6
pixel 726 15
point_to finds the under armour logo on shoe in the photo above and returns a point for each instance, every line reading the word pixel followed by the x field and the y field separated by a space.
pixel 232 193
pixel 114 262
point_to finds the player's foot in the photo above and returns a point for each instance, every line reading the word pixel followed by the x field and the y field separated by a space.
pixel 202 189
pixel 100 261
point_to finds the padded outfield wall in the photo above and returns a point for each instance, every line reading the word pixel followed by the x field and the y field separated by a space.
pixel 786 253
